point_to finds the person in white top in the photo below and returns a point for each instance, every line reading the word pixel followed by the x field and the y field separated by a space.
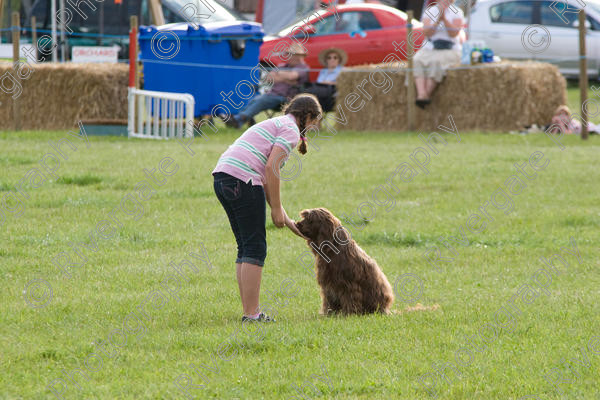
pixel 442 25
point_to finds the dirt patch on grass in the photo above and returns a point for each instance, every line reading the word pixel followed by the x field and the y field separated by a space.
pixel 419 307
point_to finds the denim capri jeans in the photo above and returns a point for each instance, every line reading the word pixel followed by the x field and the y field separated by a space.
pixel 245 205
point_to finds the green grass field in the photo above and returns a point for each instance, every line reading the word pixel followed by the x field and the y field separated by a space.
pixel 118 285
pixel 573 96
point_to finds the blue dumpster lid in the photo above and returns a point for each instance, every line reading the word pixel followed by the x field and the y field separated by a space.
pixel 211 30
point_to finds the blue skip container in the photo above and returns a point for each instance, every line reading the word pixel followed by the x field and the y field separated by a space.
pixel 203 62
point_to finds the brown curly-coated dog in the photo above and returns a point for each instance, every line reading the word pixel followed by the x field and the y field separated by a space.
pixel 351 281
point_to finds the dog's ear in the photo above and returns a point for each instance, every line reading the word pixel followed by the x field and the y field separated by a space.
pixel 304 213
pixel 326 224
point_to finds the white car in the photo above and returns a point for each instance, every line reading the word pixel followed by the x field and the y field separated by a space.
pixel 539 30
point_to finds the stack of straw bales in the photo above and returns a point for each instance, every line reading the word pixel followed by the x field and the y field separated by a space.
pixel 491 97
pixel 56 96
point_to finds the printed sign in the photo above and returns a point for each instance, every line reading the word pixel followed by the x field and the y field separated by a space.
pixel 94 54
pixel 6 50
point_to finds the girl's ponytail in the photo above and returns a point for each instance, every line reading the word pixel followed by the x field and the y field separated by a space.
pixel 303 107
pixel 302 145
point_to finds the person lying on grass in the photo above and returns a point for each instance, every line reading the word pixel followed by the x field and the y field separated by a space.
pixel 563 122
pixel 247 172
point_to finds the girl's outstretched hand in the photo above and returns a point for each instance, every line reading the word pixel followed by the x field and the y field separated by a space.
pixel 279 217
pixel 290 223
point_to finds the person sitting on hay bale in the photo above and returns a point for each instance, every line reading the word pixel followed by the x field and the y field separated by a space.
pixel 287 84
pixel 324 89
pixel 442 50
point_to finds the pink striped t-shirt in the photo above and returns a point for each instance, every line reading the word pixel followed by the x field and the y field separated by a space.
pixel 247 157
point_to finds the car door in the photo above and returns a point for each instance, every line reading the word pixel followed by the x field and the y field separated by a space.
pixel 593 46
pixel 508 21
pixel 378 41
pixel 352 32
pixel 564 47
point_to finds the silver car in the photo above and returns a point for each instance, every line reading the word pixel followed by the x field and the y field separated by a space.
pixel 539 29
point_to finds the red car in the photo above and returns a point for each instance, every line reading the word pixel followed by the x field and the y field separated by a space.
pixel 365 31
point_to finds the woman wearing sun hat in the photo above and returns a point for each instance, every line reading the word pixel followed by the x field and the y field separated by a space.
pixel 333 60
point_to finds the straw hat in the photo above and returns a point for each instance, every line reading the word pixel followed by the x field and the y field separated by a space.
pixel 340 53
pixel 296 49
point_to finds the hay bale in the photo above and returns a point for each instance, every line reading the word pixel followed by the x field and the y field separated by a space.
pixel 492 97
pixel 56 96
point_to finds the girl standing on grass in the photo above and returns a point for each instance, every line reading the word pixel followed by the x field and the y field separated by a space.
pixel 247 172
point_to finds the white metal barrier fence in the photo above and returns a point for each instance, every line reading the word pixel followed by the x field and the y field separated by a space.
pixel 159 115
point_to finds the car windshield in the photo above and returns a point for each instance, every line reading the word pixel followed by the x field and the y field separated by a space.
pixel 298 23
pixel 205 14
